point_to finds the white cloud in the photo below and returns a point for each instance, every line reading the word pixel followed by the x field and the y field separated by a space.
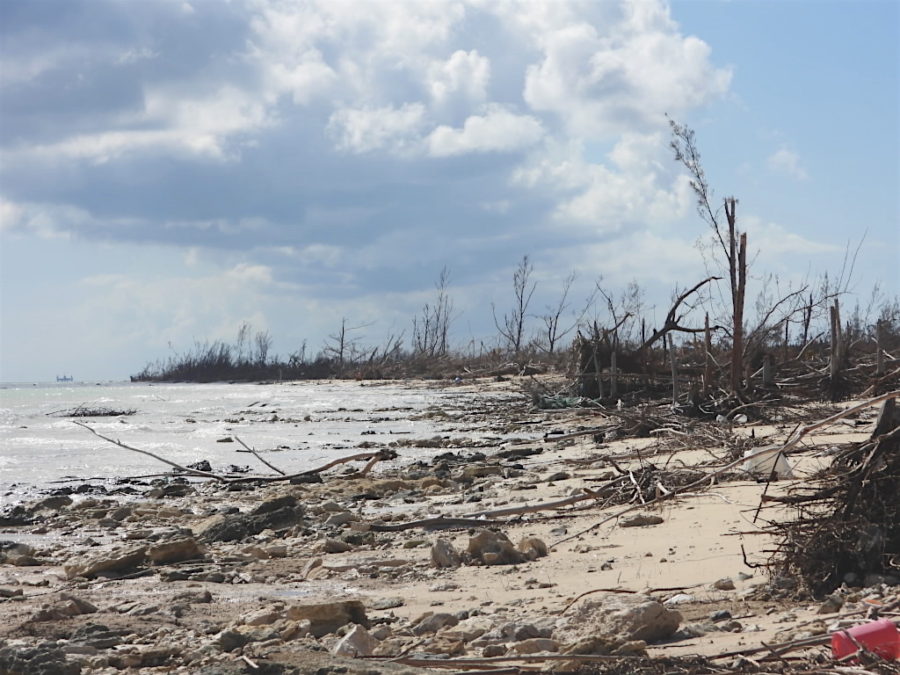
pixel 497 130
pixel 634 189
pixel 465 73
pixel 603 79
pixel 787 162
pixel 362 130
pixel 772 239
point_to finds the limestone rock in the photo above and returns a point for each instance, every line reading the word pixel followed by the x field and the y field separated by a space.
pixel 432 623
pixel 532 548
pixel 113 561
pixel 628 618
pixel 494 548
pixel 535 645
pixel 69 605
pixel 175 550
pixel 327 617
pixel 444 555
pixel 357 642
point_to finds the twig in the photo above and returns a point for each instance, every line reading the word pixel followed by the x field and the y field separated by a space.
pixel 193 472
pixel 792 441
pixel 256 454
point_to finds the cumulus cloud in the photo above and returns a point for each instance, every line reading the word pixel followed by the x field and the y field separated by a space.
pixel 787 162
pixel 465 73
pixel 362 130
pixel 496 130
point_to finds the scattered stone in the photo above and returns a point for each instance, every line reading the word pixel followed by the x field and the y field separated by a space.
pixel 69 605
pixel 719 615
pixel 175 550
pixel 114 561
pixel 535 645
pixel 632 617
pixel 444 555
pixel 532 548
pixel 726 584
pixel 275 514
pixel 336 546
pixel 387 603
pixel 490 651
pixel 494 548
pixel 327 617
pixel 432 623
pixel 357 642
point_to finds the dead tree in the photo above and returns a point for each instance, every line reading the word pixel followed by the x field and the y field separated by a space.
pixel 733 243
pixel 512 327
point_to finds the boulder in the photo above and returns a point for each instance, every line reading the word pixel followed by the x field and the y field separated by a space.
pixel 274 514
pixel 532 548
pixel 117 560
pixel 494 548
pixel 175 550
pixel 628 618
pixel 327 617
pixel 432 623
pixel 444 555
pixel 357 642
pixel 69 605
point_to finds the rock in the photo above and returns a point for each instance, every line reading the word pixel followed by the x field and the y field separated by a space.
pixel 494 650
pixel 261 617
pixel 274 514
pixel 14 553
pixel 832 604
pixel 113 561
pixel 535 645
pixel 341 518
pixel 432 623
pixel 444 555
pixel 54 503
pixel 70 605
pixel 725 584
pixel 229 640
pixel 719 615
pixel 494 548
pixel 357 642
pixel 336 546
pixel 679 599
pixel 327 617
pixel 532 548
pixel 174 550
pixel 387 603
pixel 633 617
pixel 640 520
pixel 44 659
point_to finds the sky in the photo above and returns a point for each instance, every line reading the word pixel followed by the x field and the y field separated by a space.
pixel 170 169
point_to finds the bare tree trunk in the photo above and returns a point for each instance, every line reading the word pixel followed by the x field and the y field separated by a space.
pixel 613 375
pixel 768 372
pixel 836 346
pixel 673 361
pixel 879 349
pixel 707 360
pixel 597 372
pixel 737 268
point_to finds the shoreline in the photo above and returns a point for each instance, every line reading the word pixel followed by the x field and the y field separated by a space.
pixel 190 576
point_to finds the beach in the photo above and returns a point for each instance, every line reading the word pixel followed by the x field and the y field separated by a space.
pixel 125 566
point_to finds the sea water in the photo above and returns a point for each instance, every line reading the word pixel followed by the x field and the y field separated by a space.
pixel 294 426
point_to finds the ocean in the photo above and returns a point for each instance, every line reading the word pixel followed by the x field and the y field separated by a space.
pixel 296 426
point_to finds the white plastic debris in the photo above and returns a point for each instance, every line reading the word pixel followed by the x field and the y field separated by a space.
pixel 762 461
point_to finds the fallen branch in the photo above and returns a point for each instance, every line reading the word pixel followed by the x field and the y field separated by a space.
pixel 255 454
pixel 795 437
pixel 192 472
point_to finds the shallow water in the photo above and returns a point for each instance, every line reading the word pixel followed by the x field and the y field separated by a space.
pixel 295 426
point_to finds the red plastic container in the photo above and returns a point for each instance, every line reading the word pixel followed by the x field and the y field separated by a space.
pixel 880 637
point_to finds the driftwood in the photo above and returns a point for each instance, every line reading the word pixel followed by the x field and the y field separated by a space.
pixel 371 457
pixel 795 437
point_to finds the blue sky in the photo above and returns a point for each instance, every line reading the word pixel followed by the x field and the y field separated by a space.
pixel 172 168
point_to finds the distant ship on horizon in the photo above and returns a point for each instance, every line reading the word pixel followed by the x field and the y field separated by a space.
pixel 65 378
